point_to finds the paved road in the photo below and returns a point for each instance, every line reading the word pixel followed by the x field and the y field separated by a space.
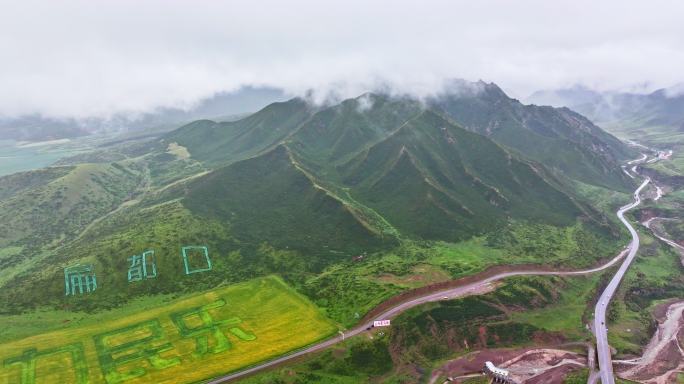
pixel 600 330
pixel 639 160
pixel 452 293
pixel 474 288
pixel 669 242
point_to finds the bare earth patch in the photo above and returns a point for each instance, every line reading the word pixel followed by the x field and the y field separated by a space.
pixel 527 365
pixel 178 150
pixel 420 275
pixel 541 365
pixel 663 357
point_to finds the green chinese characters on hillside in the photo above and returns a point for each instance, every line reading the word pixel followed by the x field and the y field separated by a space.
pixel 79 279
pixel 195 259
pixel 142 267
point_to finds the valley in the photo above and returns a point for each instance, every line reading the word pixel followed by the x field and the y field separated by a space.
pixel 18 157
pixel 376 208
pixel 484 286
pixel 341 192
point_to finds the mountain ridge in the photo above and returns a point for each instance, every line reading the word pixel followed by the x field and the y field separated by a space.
pixel 297 189
pixel 422 151
pixel 629 114
pixel 558 138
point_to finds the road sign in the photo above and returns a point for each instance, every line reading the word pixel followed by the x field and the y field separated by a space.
pixel 381 323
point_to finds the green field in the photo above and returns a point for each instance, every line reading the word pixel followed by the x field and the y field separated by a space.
pixel 654 277
pixel 578 377
pixel 566 313
pixel 523 311
pixel 181 341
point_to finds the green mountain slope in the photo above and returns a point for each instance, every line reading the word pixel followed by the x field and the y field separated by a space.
pixel 660 108
pixel 385 160
pixel 257 216
pixel 556 137
pixel 43 210
pixel 656 117
pixel 293 189
pixel 435 180
pixel 389 161
pixel 338 132
pixel 15 183
pixel 58 209
pixel 270 199
pixel 220 143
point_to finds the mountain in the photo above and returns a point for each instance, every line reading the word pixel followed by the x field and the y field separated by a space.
pixel 559 138
pixel 220 106
pixel 387 158
pixel 293 189
pixel 42 209
pixel 72 195
pixel 663 108
pixel 269 198
pixel 219 143
pixel 435 180
pixel 578 98
pixel 590 103
pixel 633 115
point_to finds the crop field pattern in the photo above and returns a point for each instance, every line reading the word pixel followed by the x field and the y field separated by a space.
pixel 191 339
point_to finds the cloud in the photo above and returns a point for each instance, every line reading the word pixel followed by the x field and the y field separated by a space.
pixel 97 58
pixel 365 103
pixel 675 91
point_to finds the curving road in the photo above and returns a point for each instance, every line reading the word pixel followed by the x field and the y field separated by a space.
pixel 600 330
pixel 669 242
pixel 603 349
pixel 666 334
pixel 451 293
pixel 639 160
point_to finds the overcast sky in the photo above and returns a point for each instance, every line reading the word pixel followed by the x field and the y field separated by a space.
pixel 98 57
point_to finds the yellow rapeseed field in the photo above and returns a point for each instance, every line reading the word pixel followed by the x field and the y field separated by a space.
pixel 190 339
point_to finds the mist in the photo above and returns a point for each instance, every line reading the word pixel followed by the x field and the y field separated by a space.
pixel 96 59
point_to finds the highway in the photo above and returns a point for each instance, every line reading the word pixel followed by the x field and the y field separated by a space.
pixel 451 293
pixel 600 329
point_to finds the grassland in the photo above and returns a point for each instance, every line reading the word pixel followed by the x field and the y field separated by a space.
pixel 300 209
pixel 348 290
pixel 523 311
pixel 567 314
pixel 477 380
pixel 654 276
pixel 578 377
pixel 41 210
pixel 653 134
pixel 330 220
pixel 606 200
pixel 357 360
pixel 179 340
